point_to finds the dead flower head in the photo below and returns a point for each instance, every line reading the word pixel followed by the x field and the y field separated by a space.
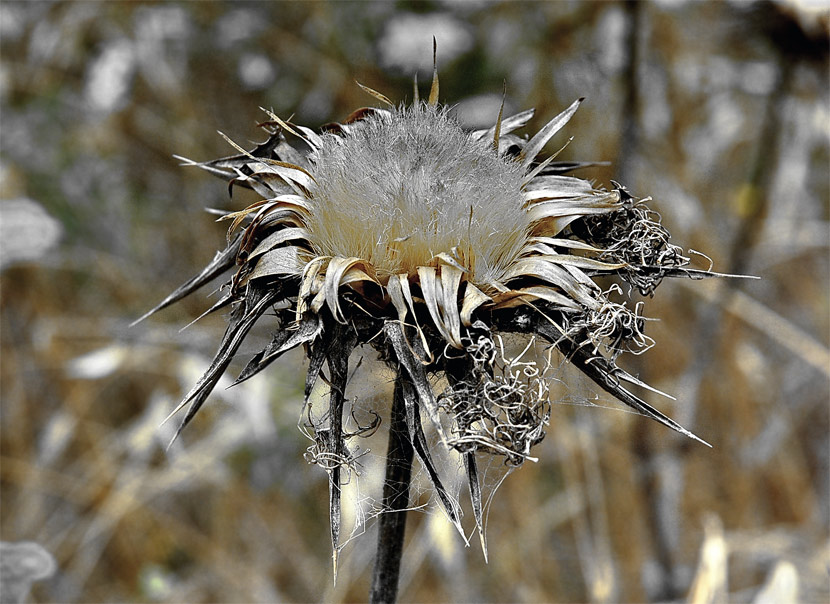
pixel 402 231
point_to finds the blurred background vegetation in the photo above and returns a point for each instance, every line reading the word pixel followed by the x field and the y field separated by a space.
pixel 720 111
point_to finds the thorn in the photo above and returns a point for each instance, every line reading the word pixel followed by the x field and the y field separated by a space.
pixel 185 161
pixel 178 408
pixel 415 97
pixel 172 440
pixel 624 375
pixel 483 546
pixel 452 516
pixel 379 96
pixel 498 121
pixel 142 317
pixel 433 90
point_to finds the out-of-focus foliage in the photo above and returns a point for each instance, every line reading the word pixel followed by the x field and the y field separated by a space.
pixel 720 111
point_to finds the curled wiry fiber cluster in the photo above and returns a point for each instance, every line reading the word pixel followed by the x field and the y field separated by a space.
pixel 401 231
pixel 634 237
pixel 501 405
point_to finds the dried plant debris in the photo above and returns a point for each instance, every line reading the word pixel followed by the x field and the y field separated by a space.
pixel 402 231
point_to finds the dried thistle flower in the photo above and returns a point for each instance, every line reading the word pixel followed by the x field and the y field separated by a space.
pixel 402 231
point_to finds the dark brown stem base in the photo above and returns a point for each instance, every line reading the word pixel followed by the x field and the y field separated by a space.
pixel 392 523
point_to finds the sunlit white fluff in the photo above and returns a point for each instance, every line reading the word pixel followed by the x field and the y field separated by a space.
pixel 405 185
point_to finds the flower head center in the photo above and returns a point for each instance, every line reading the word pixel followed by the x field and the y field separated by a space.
pixel 402 186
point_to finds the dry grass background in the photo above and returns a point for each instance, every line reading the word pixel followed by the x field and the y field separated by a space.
pixel 718 110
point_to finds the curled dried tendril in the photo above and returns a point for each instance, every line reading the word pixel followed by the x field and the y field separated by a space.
pixel 501 406
pixel 613 327
pixel 634 235
pixel 321 454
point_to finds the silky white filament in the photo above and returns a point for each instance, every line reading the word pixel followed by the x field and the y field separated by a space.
pixel 403 186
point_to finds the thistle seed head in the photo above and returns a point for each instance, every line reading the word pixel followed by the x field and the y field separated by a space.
pixel 400 187
pixel 402 231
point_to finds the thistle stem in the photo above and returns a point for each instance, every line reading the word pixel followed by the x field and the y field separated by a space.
pixel 392 523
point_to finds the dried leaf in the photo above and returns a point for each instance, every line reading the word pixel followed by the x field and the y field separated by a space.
pixel 566 243
pixel 279 262
pixel 448 304
pixel 601 370
pixel 239 324
pixel 421 448
pixel 535 144
pixel 471 468
pixel 381 97
pixel 537 268
pixel 508 124
pixel 541 292
pixel 417 373
pixel 442 304
pixel 577 261
pixel 221 262
pixel 314 268
pixel 497 127
pixel 334 277
pixel 543 166
pixel 282 341
pixel 473 298
pixel 276 238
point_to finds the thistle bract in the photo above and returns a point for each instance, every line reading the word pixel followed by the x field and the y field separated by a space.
pixel 402 231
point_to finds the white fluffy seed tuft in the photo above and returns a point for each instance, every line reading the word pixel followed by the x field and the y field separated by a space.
pixel 403 186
